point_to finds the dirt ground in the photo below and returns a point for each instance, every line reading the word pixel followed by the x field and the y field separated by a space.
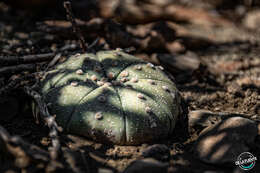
pixel 227 80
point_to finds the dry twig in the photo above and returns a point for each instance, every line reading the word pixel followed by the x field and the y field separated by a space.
pixel 49 120
pixel 15 83
pixel 11 143
pixel 76 30
pixel 17 68
pixel 13 60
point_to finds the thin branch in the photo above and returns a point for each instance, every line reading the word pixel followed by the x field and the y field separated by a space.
pixel 17 68
pixel 76 30
pixel 11 142
pixel 13 60
pixel 49 120
pixel 13 84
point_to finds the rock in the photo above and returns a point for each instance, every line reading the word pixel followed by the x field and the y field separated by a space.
pixel 203 118
pixel 158 151
pixel 180 63
pixel 147 165
pixel 224 141
pixel 252 20
pixel 235 89
pixel 249 81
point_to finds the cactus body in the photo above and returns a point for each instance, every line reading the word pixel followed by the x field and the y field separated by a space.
pixel 112 97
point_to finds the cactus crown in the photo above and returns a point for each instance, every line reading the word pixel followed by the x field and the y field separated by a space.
pixel 112 97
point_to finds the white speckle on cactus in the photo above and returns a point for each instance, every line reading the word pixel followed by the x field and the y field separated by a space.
pixel 140 96
pixel 110 75
pixel 119 49
pixel 124 74
pixel 166 88
pixel 150 65
pixel 103 79
pixel 124 79
pixel 98 116
pixel 138 67
pixel 151 82
pixel 161 67
pixel 79 72
pixel 74 84
pixel 148 110
pixel 77 54
pixel 173 95
pixel 107 84
pixel 134 80
pixel 94 77
pixel 100 83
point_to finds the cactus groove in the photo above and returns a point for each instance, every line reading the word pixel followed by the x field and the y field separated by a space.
pixel 112 97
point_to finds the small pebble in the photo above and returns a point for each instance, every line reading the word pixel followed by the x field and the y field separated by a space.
pixel 79 72
pixel 98 116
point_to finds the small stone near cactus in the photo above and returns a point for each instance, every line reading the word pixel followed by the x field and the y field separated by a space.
pixel 112 97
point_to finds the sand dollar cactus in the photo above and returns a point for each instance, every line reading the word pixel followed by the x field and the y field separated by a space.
pixel 112 97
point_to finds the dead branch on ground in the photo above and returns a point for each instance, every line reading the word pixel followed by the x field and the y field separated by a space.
pixel 49 120
pixel 17 68
pixel 23 152
pixel 76 30
pixel 13 60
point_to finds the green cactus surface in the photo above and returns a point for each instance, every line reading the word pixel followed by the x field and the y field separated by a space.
pixel 112 97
